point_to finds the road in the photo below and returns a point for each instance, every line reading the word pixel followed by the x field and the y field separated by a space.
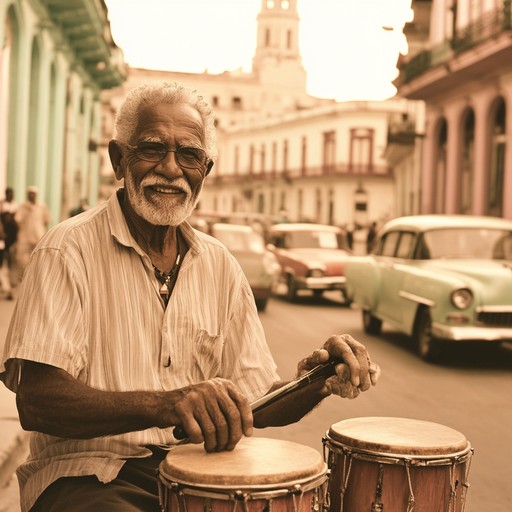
pixel 469 392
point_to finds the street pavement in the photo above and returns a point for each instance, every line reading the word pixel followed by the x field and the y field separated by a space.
pixel 14 441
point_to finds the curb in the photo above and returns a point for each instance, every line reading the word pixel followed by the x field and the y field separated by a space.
pixel 13 450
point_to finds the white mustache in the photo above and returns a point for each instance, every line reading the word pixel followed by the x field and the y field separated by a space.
pixel 158 182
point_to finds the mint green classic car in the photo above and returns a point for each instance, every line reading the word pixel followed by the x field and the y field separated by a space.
pixel 438 278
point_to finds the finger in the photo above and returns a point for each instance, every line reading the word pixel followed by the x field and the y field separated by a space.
pixel 215 428
pixel 344 347
pixel 244 410
pixel 375 373
pixel 319 356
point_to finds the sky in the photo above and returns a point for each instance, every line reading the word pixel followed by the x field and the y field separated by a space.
pixel 347 53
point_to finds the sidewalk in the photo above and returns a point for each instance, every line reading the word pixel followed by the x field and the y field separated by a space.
pixel 14 444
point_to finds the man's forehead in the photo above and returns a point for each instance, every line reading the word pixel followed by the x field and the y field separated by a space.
pixel 170 118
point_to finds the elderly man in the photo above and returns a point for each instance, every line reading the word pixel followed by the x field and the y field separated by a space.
pixel 141 324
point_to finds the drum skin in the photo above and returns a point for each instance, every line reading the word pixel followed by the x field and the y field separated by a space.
pixel 258 471
pixel 385 462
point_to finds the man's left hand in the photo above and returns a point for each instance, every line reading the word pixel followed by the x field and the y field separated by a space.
pixel 354 373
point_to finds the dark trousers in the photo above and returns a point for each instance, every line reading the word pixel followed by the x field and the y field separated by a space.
pixel 134 490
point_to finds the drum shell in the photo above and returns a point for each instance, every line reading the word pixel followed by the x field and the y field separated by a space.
pixel 362 479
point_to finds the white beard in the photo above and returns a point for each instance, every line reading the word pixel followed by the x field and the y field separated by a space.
pixel 170 211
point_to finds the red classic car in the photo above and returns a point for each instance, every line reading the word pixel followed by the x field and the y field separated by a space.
pixel 312 256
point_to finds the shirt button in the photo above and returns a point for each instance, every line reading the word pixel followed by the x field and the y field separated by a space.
pixel 167 363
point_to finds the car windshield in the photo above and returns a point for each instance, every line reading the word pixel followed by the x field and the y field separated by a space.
pixel 314 240
pixel 480 243
pixel 236 240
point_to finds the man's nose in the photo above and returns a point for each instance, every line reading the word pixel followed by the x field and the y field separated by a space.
pixel 168 166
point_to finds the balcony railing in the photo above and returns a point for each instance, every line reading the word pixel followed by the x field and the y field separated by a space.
pixel 489 25
pixel 341 170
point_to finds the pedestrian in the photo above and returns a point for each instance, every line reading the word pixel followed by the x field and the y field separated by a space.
pixel 81 208
pixel 129 323
pixel 33 218
pixel 370 237
pixel 8 209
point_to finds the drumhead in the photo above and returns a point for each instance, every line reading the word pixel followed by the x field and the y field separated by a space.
pixel 400 436
pixel 255 462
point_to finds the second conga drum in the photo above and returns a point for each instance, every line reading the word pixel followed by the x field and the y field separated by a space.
pixel 259 474
pixel 396 464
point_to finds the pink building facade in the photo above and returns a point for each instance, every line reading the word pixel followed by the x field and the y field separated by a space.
pixel 460 64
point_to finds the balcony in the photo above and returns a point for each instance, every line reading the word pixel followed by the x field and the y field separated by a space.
pixel 85 27
pixel 446 65
pixel 338 171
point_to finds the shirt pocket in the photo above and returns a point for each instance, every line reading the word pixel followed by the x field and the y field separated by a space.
pixel 207 353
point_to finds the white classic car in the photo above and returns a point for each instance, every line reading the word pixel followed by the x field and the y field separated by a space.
pixel 438 278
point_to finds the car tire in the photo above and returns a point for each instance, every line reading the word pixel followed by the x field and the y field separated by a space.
pixel 428 347
pixel 371 324
pixel 261 304
pixel 291 288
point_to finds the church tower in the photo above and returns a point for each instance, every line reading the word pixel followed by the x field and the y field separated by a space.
pixel 277 59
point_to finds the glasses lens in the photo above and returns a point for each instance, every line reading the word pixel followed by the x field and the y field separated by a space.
pixel 151 151
pixel 191 158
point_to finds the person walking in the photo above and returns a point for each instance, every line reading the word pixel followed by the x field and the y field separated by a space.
pixel 9 227
pixel 33 218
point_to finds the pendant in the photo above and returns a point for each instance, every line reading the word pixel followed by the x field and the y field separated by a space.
pixel 164 291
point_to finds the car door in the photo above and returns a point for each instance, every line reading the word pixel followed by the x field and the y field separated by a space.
pixel 393 268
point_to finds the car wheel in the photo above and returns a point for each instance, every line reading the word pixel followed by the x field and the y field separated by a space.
pixel 318 294
pixel 261 304
pixel 291 292
pixel 429 348
pixel 371 324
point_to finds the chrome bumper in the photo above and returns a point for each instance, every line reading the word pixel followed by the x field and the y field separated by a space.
pixel 323 283
pixel 471 333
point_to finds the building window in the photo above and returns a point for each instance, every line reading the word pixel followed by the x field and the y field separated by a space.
pixel 274 156
pixel 237 160
pixel 237 103
pixel 263 158
pixel 251 159
pixel 329 151
pixel 215 101
pixel 267 37
pixel 497 169
pixel 361 150
pixel 289 39
pixel 467 169
pixel 285 4
pixel 285 155
pixel 303 157
pixel 270 4
pixel 440 168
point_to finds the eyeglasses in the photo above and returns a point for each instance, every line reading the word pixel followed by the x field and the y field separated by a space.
pixel 186 157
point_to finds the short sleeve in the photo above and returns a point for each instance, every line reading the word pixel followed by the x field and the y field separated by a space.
pixel 47 325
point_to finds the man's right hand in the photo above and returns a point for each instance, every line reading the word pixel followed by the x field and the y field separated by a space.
pixel 214 412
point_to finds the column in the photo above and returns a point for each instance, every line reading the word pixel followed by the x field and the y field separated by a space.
pixel 428 163
pixel 453 114
pixel 507 185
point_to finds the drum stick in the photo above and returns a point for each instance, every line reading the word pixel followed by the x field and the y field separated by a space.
pixel 319 372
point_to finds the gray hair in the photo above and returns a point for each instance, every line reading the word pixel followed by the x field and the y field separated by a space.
pixel 163 92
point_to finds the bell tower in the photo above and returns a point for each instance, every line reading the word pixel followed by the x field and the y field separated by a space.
pixel 277 59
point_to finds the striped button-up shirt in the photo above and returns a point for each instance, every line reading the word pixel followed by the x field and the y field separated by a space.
pixel 90 304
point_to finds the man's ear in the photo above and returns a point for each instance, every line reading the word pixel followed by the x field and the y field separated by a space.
pixel 209 166
pixel 116 155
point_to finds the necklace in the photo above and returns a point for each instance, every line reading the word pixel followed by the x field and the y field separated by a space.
pixel 166 278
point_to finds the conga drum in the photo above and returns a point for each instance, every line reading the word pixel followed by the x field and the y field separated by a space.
pixel 396 464
pixel 258 475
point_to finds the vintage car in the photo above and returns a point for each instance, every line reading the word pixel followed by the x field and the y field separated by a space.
pixel 438 278
pixel 312 257
pixel 258 264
